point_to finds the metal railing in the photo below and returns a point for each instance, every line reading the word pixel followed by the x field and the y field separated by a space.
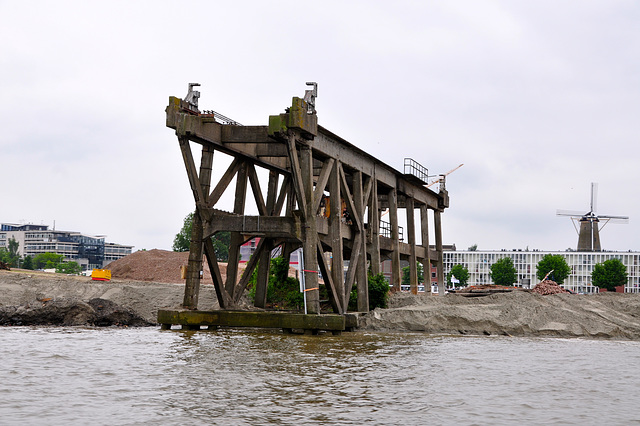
pixel 221 118
pixel 412 167
pixel 385 230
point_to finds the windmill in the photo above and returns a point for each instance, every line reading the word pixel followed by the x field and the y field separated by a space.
pixel 589 233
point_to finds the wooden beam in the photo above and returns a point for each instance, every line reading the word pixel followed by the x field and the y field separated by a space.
pixel 248 271
pixel 201 185
pixel 411 230
pixel 264 268
pixel 334 298
pixel 264 226
pixel 224 182
pixel 224 299
pixel 236 237
pixel 361 271
pixel 257 192
pixel 310 233
pixel 284 192
pixel 335 232
pixel 351 271
pixel 298 184
pixel 355 217
pixel 439 266
pixel 192 173
pixel 272 193
pixel 396 274
pixel 321 184
pixel 426 262
pixel 374 226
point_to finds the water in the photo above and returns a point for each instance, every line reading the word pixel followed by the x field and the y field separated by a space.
pixel 78 376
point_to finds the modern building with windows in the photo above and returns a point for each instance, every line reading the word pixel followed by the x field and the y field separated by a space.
pixel 87 250
pixel 581 263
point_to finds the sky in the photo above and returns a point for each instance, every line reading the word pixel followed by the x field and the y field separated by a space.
pixel 536 98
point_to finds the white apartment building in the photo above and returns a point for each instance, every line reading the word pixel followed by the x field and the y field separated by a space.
pixel 88 251
pixel 526 262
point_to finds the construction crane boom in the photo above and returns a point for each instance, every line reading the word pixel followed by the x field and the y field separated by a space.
pixel 443 175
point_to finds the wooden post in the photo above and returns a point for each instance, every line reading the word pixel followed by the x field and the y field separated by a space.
pixel 426 262
pixel 374 226
pixel 194 266
pixel 264 267
pixel 439 265
pixel 411 230
pixel 310 242
pixel 236 237
pixel 361 272
pixel 396 275
pixel 265 255
pixel 335 232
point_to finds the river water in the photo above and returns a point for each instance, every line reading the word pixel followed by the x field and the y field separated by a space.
pixel 120 376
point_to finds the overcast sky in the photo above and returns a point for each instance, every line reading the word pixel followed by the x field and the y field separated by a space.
pixel 537 98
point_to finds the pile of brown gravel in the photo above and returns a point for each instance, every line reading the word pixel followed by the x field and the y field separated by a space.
pixel 548 287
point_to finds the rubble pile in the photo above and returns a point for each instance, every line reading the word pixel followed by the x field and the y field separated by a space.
pixel 548 287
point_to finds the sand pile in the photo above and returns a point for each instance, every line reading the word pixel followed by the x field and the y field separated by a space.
pixel 516 313
pixel 160 266
pixel 548 287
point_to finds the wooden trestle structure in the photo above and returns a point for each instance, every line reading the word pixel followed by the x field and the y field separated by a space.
pixel 311 172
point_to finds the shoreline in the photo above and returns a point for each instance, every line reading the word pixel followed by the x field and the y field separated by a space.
pixel 518 313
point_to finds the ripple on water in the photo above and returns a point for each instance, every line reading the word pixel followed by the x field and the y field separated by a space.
pixel 142 376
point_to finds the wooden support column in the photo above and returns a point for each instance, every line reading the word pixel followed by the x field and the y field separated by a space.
pixel 411 230
pixel 374 227
pixel 310 242
pixel 396 273
pixel 236 237
pixel 194 266
pixel 361 271
pixel 426 262
pixel 335 232
pixel 264 266
pixel 439 265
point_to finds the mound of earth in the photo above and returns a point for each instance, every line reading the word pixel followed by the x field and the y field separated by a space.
pixel 516 313
pixel 69 312
pixel 160 266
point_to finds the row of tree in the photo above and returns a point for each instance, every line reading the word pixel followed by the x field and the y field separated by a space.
pixel 11 257
pixel 608 275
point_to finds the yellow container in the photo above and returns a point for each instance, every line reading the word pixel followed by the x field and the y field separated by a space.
pixel 101 275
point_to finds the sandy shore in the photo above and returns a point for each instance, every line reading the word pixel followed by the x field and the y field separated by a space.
pixel 519 313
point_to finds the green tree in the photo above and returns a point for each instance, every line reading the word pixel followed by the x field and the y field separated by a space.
pixel 557 264
pixel 503 272
pixel 406 274
pixel 4 255
pixel 473 247
pixel 14 255
pixel 68 268
pixel 378 291
pixel 47 260
pixel 609 274
pixel 27 262
pixel 221 240
pixel 461 273
pixel 183 238
pixel 283 291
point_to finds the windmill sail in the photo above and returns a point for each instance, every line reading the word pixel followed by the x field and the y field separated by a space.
pixel 591 223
